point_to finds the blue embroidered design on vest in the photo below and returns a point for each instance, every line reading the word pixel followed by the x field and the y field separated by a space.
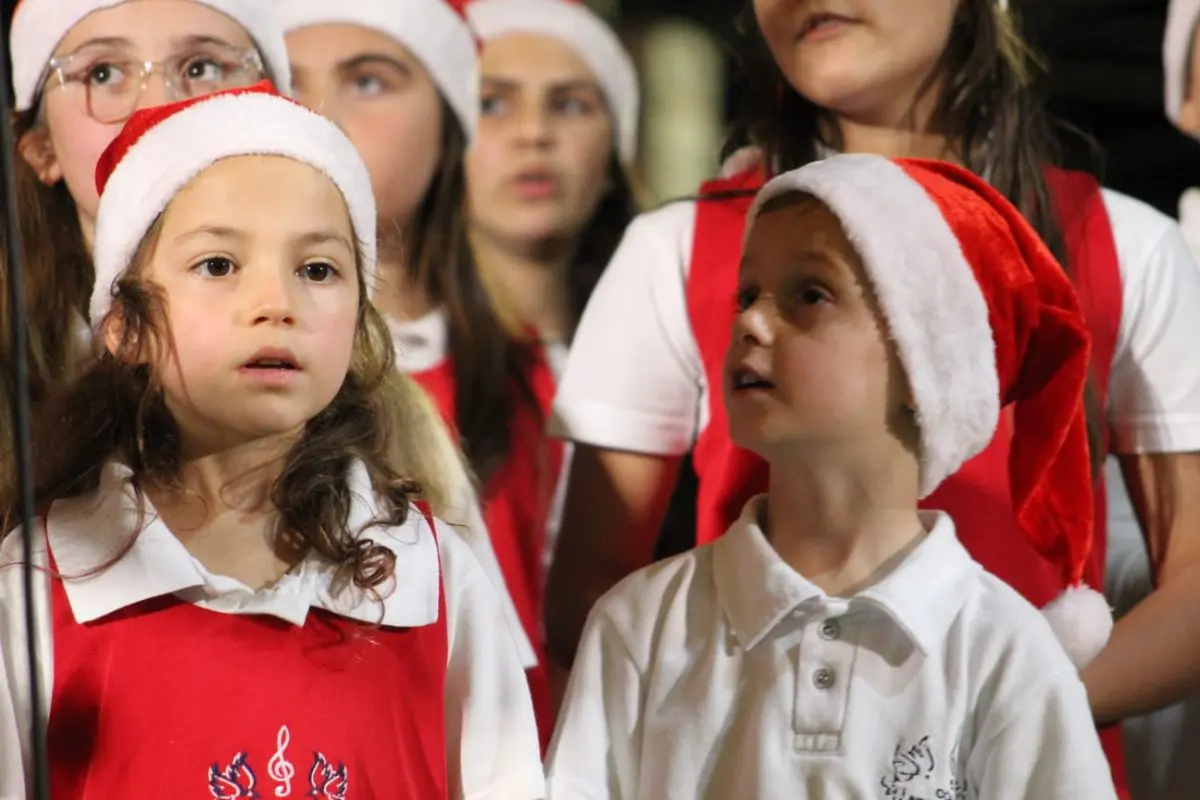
pixel 235 781
pixel 326 782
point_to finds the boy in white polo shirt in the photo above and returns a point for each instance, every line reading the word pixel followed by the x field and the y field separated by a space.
pixel 836 642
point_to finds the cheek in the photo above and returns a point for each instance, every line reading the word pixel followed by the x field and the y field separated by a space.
pixel 586 154
pixel 78 142
pixel 486 163
pixel 772 17
pixel 401 149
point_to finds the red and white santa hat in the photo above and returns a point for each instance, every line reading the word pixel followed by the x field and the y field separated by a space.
pixel 39 25
pixel 435 31
pixel 160 150
pixel 1183 19
pixel 571 22
pixel 982 317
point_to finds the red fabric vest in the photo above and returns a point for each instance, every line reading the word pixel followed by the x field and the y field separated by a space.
pixel 516 507
pixel 166 699
pixel 978 496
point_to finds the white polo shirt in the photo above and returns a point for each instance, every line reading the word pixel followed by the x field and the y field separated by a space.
pixel 723 673
pixel 492 746
pixel 635 381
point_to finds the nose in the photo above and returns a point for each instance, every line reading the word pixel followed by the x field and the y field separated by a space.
pixel 154 90
pixel 753 327
pixel 271 297
pixel 534 128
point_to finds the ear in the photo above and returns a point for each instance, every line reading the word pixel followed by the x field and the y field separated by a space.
pixel 113 333
pixel 1189 116
pixel 38 151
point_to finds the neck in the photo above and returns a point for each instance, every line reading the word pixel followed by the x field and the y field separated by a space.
pixel 399 293
pixel 235 478
pixel 528 286
pixel 840 522
pixel 87 226
pixel 904 129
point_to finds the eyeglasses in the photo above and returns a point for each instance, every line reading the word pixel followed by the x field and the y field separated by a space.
pixel 109 82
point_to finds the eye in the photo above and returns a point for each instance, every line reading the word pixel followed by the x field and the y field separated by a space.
pixel 746 297
pixel 370 84
pixel 319 272
pixel 103 73
pixel 573 106
pixel 493 106
pixel 204 70
pixel 215 267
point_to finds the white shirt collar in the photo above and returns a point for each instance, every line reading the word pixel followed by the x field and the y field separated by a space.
pixel 922 595
pixel 84 533
pixel 423 343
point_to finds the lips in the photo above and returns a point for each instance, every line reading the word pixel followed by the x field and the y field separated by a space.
pixel 745 379
pixel 822 20
pixel 276 359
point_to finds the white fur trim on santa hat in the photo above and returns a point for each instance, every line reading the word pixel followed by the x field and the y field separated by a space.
pixel 180 147
pixel 928 293
pixel 433 31
pixel 1183 16
pixel 589 36
pixel 39 25
pixel 1082 621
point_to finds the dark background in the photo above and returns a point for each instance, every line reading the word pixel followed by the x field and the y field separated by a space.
pixel 1105 59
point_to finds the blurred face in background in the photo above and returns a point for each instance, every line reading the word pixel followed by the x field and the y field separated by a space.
pixel 540 164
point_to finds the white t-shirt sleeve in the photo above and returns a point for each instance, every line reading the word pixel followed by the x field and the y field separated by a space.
pixel 1048 749
pixel 596 746
pixel 15 719
pixel 1155 383
pixel 634 379
pixel 492 749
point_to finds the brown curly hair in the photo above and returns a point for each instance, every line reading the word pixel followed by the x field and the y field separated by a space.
pixel 115 411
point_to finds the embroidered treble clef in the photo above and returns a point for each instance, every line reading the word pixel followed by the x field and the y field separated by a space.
pixel 279 768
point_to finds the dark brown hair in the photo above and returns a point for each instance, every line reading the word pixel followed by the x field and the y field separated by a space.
pixel 490 367
pixel 603 232
pixel 990 111
pixel 115 412
pixel 58 276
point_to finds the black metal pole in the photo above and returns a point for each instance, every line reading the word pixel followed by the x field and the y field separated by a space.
pixel 39 778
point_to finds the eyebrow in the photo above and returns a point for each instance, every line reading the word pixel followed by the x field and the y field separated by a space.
pixel 305 240
pixel 367 59
pixel 509 84
pixel 121 41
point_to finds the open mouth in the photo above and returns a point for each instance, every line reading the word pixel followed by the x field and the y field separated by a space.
pixel 744 379
pixel 276 361
pixel 822 21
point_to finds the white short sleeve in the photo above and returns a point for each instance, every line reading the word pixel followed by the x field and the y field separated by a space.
pixel 492 750
pixel 1155 383
pixel 634 379
pixel 595 751
pixel 1048 750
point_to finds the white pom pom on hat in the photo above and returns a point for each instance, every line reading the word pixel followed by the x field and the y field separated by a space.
pixel 39 25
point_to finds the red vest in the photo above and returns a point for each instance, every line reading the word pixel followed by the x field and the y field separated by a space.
pixel 978 496
pixel 168 699
pixel 516 507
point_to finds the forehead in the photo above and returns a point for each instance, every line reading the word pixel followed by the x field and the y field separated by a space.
pixel 269 195
pixel 533 59
pixel 149 26
pixel 329 45
pixel 790 226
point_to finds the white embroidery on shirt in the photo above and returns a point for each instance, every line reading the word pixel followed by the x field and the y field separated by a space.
pixel 914 775
pixel 279 768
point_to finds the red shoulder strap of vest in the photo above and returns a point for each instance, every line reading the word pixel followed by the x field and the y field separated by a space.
pixel 1094 267
pixel 721 209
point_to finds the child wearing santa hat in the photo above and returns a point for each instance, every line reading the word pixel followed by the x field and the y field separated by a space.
pixel 837 640
pixel 79 69
pixel 402 80
pixel 238 593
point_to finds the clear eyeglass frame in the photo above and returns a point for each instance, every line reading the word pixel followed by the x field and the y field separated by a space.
pixel 116 101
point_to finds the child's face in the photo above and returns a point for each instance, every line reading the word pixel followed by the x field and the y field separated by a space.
pixel 540 165
pixel 869 62
pixel 69 143
pixel 382 98
pixel 810 361
pixel 257 262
